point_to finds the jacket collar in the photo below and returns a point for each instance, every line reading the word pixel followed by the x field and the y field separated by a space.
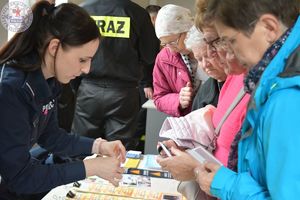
pixel 39 88
pixel 36 84
pixel 271 80
pixel 292 66
pixel 172 58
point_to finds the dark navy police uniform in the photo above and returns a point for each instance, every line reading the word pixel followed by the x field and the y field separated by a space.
pixel 28 105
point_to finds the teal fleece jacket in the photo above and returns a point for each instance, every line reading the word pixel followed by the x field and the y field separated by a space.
pixel 268 162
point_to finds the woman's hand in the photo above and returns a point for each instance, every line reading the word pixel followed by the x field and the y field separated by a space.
pixel 114 149
pixel 168 144
pixel 181 165
pixel 107 168
pixel 205 174
pixel 148 92
pixel 186 96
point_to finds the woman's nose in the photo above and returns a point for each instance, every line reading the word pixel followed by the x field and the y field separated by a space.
pixel 86 69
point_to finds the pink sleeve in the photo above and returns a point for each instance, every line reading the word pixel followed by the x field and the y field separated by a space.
pixel 165 100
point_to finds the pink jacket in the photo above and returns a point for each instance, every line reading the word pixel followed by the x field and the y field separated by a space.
pixel 234 122
pixel 170 74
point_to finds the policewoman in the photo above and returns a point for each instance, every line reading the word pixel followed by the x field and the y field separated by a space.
pixel 57 47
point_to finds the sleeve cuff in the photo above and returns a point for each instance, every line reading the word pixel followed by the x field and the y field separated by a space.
pixel 86 145
pixel 222 178
pixel 74 171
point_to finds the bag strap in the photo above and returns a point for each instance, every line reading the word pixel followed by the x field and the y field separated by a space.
pixel 235 102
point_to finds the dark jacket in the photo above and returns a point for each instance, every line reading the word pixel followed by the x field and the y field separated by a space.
pixel 28 105
pixel 208 93
pixel 129 42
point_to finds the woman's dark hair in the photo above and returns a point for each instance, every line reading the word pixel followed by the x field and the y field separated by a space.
pixel 152 9
pixel 67 22
pixel 241 14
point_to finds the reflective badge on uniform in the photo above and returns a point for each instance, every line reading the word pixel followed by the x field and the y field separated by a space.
pixel 111 26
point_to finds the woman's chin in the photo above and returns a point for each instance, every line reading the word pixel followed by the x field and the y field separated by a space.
pixel 64 80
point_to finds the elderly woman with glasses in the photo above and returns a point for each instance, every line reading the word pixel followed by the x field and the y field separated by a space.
pixel 268 164
pixel 214 61
pixel 209 91
pixel 176 75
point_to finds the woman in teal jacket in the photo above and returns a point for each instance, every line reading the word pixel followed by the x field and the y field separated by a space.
pixel 265 36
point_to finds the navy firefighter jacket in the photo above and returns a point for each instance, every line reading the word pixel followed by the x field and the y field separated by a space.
pixel 28 105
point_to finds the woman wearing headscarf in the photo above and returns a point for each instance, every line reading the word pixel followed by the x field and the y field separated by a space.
pixel 176 76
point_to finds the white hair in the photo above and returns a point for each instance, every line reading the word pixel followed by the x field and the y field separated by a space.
pixel 194 38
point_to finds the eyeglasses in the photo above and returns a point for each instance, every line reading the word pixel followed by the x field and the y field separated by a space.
pixel 172 44
pixel 212 42
pixel 226 44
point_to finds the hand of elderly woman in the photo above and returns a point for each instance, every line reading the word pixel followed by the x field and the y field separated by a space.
pixel 186 96
pixel 205 174
pixel 180 165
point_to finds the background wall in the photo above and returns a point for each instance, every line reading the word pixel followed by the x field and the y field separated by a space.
pixel 185 3
pixel 3 32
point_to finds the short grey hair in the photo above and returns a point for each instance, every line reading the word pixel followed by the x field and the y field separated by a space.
pixel 194 38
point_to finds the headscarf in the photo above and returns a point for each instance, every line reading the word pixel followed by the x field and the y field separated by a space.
pixel 172 19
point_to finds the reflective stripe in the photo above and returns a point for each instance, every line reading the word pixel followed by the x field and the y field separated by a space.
pixel 30 89
pixel 2 72
pixel 111 26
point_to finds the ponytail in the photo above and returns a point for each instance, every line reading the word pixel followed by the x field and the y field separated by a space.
pixel 67 22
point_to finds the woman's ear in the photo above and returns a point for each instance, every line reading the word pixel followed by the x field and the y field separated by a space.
pixel 273 27
pixel 53 46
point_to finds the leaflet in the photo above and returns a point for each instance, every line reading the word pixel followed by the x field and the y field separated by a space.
pixel 202 155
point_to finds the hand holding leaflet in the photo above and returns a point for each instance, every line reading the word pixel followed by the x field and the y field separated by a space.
pixel 165 149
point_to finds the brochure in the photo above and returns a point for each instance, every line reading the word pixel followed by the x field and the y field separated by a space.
pixel 202 155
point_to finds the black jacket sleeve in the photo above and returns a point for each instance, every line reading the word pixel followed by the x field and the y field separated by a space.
pixel 148 44
pixel 208 93
pixel 147 80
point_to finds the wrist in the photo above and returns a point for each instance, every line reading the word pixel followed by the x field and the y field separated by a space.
pixel 97 146
pixel 91 166
pixel 88 165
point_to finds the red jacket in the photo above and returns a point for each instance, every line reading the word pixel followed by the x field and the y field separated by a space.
pixel 170 74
